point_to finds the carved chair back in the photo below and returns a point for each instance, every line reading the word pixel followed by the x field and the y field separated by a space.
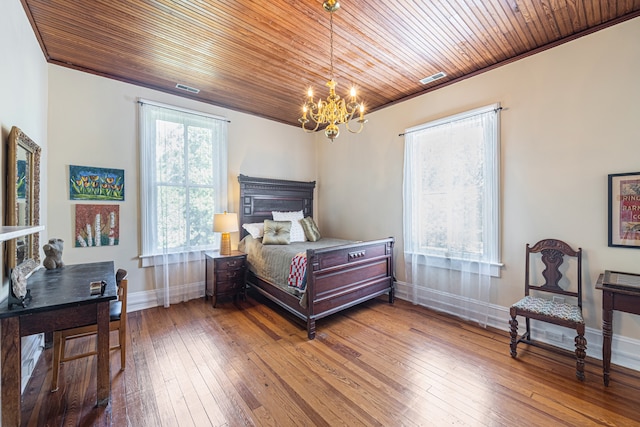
pixel 553 254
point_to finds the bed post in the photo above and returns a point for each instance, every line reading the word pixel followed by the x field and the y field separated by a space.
pixel 311 328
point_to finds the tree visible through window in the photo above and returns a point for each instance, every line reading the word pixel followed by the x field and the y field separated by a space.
pixel 451 187
pixel 183 177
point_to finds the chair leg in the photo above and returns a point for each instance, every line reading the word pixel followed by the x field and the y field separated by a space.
pixel 581 352
pixel 122 340
pixel 514 335
pixel 527 335
pixel 57 355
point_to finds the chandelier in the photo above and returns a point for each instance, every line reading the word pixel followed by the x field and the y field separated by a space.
pixel 334 110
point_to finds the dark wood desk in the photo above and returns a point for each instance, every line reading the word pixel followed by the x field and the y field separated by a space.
pixel 60 299
pixel 618 293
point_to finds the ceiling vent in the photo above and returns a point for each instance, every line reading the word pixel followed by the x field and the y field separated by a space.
pixel 187 88
pixel 435 77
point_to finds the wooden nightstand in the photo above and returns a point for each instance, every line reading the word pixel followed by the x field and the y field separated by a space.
pixel 225 275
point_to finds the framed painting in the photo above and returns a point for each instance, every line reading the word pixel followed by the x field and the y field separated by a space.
pixel 624 210
pixel 92 183
pixel 97 225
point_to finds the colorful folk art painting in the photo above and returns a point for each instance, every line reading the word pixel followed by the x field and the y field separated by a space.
pixel 92 183
pixel 97 225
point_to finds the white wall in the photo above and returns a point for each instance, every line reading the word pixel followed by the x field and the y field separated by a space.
pixel 570 119
pixel 23 103
pixel 93 122
pixel 23 85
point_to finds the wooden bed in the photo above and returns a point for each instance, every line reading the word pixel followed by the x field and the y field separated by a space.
pixel 337 277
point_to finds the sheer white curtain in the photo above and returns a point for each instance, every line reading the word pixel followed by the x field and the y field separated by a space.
pixel 451 212
pixel 183 183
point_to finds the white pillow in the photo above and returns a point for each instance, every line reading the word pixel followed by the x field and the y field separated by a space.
pixel 256 229
pixel 297 232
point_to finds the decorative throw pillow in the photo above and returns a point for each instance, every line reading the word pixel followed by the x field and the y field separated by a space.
pixel 310 229
pixel 256 229
pixel 276 232
pixel 297 233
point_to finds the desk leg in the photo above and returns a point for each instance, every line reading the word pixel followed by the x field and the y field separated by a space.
pixel 607 328
pixel 11 371
pixel 104 377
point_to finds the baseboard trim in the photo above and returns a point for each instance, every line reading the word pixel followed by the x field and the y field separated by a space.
pixel 149 299
pixel 625 351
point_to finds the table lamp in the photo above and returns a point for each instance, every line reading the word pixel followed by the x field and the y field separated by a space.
pixel 225 223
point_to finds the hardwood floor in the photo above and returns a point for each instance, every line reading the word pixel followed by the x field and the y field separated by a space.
pixel 373 365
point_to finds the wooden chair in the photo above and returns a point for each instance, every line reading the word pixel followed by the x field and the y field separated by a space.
pixel 552 310
pixel 117 322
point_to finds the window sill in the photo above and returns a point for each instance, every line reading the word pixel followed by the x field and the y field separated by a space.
pixel 173 258
pixel 459 264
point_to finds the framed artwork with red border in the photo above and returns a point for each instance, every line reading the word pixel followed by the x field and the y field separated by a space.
pixel 624 210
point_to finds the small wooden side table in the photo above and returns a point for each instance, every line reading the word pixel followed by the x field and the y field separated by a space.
pixel 225 275
pixel 621 292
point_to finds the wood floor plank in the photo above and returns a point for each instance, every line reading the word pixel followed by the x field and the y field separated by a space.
pixel 159 374
pixel 248 364
pixel 141 408
pixel 197 371
pixel 316 395
pixel 460 381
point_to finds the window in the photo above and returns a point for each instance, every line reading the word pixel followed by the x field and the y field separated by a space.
pixel 451 189
pixel 183 178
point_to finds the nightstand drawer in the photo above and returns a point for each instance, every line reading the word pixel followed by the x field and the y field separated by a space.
pixel 228 287
pixel 229 275
pixel 230 264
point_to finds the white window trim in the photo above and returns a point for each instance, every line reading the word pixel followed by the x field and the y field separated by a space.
pixel 177 256
pixel 459 116
pixel 452 262
pixel 174 257
pixel 181 110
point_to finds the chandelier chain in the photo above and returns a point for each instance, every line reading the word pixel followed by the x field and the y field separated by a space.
pixel 331 43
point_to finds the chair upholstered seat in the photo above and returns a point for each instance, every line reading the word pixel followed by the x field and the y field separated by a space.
pixel 548 308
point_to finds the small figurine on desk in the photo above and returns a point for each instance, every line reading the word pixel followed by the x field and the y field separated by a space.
pixel 19 294
pixel 53 250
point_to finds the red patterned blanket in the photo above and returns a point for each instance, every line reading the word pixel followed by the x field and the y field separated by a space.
pixel 298 271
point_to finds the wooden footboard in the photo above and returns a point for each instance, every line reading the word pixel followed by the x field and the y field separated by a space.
pixel 337 278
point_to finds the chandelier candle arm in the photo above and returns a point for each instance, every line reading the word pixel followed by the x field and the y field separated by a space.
pixel 335 110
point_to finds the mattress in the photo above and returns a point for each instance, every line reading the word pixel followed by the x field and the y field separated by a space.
pixel 272 263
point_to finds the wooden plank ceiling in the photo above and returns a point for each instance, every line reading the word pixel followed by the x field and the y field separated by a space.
pixel 260 57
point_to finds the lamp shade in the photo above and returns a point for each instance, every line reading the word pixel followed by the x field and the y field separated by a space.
pixel 225 222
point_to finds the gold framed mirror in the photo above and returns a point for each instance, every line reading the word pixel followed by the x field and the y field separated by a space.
pixel 23 199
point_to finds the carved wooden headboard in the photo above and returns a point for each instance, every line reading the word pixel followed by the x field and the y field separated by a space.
pixel 260 196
